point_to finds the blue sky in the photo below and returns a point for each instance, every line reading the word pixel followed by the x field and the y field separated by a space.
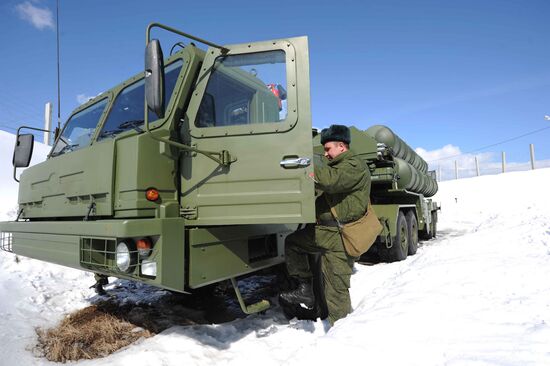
pixel 462 73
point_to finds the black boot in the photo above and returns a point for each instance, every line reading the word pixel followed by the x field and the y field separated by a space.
pixel 302 295
pixel 101 281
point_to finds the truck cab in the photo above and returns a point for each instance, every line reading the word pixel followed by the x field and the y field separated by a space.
pixel 202 188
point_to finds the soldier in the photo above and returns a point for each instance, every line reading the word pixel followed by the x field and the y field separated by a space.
pixel 345 183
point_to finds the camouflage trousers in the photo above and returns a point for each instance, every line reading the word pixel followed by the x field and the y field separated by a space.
pixel 336 265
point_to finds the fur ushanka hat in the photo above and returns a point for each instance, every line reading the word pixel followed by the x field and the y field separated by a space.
pixel 335 133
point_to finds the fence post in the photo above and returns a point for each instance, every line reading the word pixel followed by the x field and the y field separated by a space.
pixel 456 169
pixel 532 149
pixel 477 166
pixel 503 162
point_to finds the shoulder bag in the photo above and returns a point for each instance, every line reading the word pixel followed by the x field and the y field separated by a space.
pixel 358 236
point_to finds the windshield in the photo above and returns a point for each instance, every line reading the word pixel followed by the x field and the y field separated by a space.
pixel 79 129
pixel 127 110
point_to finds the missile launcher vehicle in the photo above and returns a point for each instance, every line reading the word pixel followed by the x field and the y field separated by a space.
pixel 194 171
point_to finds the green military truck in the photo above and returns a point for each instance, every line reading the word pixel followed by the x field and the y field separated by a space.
pixel 190 173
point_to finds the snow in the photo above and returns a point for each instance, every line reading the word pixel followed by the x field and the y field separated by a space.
pixel 8 186
pixel 476 295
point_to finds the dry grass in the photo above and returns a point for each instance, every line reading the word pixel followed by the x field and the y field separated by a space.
pixel 89 333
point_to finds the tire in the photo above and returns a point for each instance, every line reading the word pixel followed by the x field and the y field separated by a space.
pixel 412 226
pixel 400 247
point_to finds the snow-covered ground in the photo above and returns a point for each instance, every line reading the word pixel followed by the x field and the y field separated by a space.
pixel 479 294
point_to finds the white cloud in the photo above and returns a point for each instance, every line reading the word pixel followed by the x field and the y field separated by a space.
pixel 40 18
pixel 83 98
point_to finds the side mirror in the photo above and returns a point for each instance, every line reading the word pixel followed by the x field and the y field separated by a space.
pixel 154 77
pixel 23 150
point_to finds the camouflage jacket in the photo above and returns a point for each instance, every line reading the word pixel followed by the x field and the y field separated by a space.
pixel 345 181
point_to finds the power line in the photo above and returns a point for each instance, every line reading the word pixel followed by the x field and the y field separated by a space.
pixel 19 104
pixel 492 145
pixel 9 128
pixel 17 117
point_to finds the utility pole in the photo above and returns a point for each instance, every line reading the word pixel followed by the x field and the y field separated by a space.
pixel 477 166
pixel 503 162
pixel 47 122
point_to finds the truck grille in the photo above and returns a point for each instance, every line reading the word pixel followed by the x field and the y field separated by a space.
pixel 98 253
pixel 6 241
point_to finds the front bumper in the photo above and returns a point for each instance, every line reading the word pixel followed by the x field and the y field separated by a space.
pixel 89 245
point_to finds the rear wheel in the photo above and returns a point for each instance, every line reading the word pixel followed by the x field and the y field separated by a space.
pixel 400 246
pixel 412 226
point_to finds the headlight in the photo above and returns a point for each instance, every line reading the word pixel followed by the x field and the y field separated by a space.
pixel 125 257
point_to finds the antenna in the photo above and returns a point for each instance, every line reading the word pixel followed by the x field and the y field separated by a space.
pixel 58 79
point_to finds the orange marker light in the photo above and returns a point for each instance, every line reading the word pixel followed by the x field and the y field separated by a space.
pixel 152 194
pixel 144 247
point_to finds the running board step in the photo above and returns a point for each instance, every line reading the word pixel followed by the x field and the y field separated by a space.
pixel 262 305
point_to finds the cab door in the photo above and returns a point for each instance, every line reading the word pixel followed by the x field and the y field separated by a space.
pixel 254 102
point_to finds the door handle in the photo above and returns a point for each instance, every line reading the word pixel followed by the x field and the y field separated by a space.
pixel 293 163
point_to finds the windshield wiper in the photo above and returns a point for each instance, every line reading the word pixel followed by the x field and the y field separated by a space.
pixel 111 133
pixel 66 148
pixel 124 126
pixel 131 124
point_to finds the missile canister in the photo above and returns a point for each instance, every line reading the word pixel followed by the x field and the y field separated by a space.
pixel 413 180
pixel 400 148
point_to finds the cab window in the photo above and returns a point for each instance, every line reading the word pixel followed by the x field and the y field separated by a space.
pixel 245 89
pixel 128 107
pixel 79 129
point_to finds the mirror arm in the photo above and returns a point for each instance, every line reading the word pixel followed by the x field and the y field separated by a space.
pixel 32 128
pixel 223 49
pixel 17 139
pixel 223 157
